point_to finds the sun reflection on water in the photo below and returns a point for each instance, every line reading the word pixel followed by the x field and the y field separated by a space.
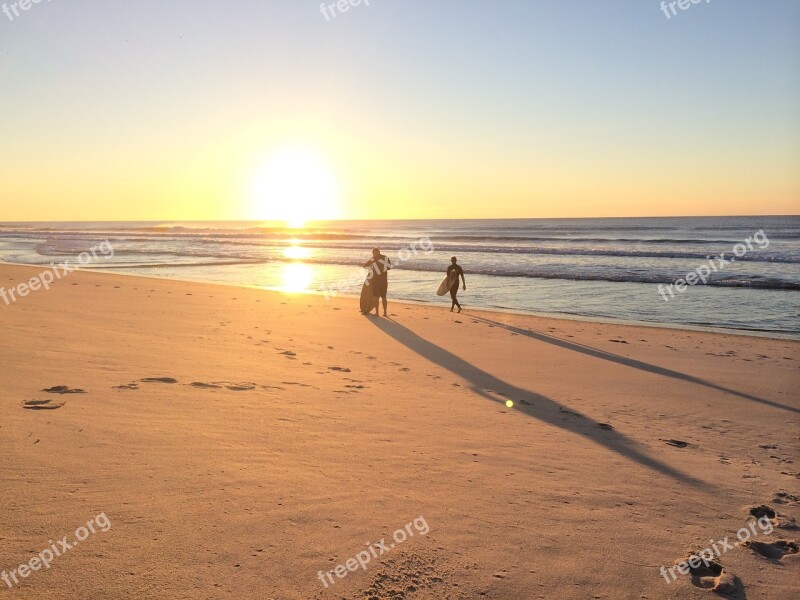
pixel 297 277
pixel 296 251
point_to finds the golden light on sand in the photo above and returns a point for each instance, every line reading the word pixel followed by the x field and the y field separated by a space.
pixel 295 186
pixel 296 277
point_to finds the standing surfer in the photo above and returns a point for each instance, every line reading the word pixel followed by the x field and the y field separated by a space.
pixel 454 271
pixel 378 277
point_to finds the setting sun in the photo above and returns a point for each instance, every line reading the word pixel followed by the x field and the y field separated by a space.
pixel 295 186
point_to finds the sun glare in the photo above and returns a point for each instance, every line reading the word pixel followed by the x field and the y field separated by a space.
pixel 296 252
pixel 296 277
pixel 294 186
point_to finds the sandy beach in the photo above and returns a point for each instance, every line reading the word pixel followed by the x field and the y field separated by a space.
pixel 280 435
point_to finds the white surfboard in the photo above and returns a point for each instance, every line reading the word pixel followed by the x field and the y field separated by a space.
pixel 444 287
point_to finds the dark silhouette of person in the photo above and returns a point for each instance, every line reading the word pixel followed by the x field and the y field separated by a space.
pixel 454 271
pixel 378 277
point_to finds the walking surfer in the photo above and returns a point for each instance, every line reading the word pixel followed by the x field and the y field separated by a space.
pixel 454 271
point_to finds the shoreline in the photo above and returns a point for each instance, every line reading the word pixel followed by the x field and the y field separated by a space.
pixel 764 334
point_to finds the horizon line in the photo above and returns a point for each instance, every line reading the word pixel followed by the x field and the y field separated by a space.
pixel 407 219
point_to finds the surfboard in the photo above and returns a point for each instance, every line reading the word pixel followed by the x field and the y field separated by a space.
pixel 444 287
pixel 367 300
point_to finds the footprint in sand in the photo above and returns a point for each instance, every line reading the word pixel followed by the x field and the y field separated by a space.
pixel 762 511
pixel 241 387
pixel 713 577
pixel 567 411
pixel 200 384
pixel 778 520
pixel 782 497
pixel 405 369
pixel 159 380
pixel 289 354
pixel 63 389
pixel 42 404
pixel 412 574
pixel 676 443
pixel 340 369
pixel 774 551
pixel 127 386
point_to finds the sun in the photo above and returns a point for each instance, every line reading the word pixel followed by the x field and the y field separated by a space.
pixel 294 186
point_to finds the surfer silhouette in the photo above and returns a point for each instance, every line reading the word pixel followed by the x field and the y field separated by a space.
pixel 378 278
pixel 454 271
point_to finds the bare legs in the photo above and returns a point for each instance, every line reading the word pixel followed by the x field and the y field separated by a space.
pixel 377 305
pixel 453 293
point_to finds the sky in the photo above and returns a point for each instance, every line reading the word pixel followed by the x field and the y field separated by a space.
pixel 269 109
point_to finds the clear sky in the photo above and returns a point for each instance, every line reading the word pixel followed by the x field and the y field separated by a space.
pixel 254 109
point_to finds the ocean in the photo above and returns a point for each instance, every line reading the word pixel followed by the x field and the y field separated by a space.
pixel 596 269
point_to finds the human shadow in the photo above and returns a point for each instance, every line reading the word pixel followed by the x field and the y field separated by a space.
pixel 630 362
pixel 530 403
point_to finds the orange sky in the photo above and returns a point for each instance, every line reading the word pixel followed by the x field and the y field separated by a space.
pixel 446 110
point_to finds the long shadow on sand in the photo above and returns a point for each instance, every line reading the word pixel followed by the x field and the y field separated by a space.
pixel 630 362
pixel 534 405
